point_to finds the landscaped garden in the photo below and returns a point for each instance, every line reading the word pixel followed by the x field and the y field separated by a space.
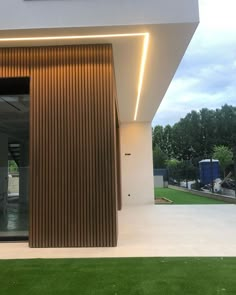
pixel 182 198
pixel 127 276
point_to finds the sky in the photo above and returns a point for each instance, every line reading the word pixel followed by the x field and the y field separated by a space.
pixel 206 77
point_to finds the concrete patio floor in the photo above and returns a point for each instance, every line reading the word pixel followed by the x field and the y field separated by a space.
pixel 154 231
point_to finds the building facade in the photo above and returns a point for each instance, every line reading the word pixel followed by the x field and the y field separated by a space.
pixel 86 77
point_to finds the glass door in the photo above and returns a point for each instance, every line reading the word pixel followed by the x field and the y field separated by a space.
pixel 14 160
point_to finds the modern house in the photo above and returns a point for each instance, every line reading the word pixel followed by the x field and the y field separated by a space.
pixel 80 82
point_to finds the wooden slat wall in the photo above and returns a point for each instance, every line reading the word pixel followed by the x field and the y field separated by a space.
pixel 73 179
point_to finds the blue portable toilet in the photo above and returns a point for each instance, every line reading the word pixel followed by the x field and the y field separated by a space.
pixel 209 170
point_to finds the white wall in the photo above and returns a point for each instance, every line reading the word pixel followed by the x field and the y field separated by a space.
pixel 136 169
pixel 158 181
pixel 19 14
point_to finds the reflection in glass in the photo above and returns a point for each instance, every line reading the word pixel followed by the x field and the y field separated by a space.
pixel 14 166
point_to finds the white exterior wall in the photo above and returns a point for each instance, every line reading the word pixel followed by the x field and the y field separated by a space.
pixel 170 24
pixel 19 14
pixel 158 181
pixel 137 168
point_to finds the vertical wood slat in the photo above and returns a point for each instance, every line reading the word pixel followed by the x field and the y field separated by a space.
pixel 118 161
pixel 72 143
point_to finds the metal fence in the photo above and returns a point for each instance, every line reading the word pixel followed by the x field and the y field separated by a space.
pixel 204 177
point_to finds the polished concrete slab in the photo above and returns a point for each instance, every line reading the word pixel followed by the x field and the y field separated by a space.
pixel 154 231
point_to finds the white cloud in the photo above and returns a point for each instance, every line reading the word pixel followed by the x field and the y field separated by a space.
pixel 207 74
pixel 218 15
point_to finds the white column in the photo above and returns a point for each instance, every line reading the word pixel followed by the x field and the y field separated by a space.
pixel 3 171
pixel 136 164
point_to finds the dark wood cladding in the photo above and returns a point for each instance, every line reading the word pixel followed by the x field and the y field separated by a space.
pixel 118 170
pixel 73 142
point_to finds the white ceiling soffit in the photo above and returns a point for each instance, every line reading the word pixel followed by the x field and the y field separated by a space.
pixel 167 45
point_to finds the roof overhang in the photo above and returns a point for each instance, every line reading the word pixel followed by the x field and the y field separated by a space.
pixel 145 57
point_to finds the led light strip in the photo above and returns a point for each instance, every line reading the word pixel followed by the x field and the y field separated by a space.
pixel 141 75
pixel 143 60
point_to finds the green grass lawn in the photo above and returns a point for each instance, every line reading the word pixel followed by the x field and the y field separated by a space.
pixel 131 276
pixel 180 197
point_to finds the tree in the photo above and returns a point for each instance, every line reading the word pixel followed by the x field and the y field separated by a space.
pixel 159 158
pixel 12 166
pixel 224 155
pixel 167 141
pixel 179 140
pixel 208 129
pixel 173 169
pixel 226 125
pixel 157 137
pixel 172 163
pixel 195 135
